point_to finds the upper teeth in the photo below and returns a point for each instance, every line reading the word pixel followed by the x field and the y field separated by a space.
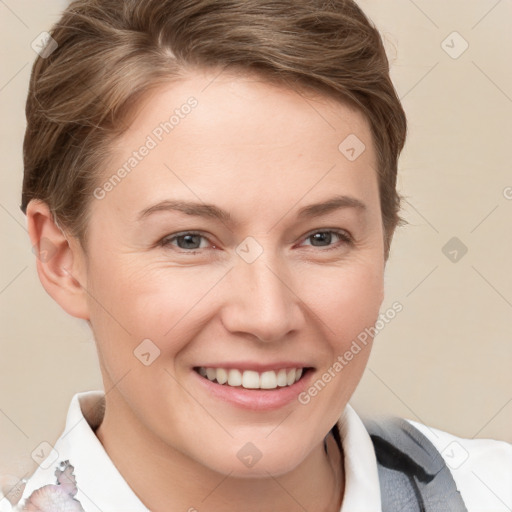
pixel 250 379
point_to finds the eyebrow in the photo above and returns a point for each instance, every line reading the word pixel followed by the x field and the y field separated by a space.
pixel 211 211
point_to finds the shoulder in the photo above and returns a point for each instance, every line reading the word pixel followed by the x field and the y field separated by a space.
pixel 77 445
pixel 5 503
pixel 11 489
pixel 481 468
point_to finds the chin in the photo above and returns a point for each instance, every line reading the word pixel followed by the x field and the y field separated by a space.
pixel 248 461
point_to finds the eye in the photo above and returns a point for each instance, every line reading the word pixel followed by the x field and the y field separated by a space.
pixel 324 238
pixel 188 241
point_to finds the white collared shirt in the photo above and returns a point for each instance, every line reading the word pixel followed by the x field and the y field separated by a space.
pixel 482 469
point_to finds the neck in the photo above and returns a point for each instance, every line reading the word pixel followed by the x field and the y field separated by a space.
pixel 166 479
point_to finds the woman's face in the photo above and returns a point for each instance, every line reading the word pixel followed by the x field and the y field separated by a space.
pixel 243 276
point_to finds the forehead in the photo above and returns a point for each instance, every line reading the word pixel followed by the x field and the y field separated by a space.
pixel 245 102
pixel 228 138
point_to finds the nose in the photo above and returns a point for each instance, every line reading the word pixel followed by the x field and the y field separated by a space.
pixel 261 300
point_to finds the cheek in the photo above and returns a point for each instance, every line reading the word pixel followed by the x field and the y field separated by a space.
pixel 348 304
pixel 346 299
pixel 133 301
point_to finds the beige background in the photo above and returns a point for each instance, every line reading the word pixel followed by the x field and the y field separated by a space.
pixel 445 359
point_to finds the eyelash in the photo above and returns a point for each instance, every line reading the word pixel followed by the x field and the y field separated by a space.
pixel 345 237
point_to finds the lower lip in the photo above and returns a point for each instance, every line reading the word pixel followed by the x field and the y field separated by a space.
pixel 256 399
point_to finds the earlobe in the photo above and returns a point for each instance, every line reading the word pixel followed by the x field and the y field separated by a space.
pixel 59 259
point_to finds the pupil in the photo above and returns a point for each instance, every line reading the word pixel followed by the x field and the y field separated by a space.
pixel 317 237
pixel 187 239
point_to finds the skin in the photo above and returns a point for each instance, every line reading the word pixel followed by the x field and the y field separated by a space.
pixel 261 152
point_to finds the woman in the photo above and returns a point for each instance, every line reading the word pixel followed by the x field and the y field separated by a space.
pixel 268 133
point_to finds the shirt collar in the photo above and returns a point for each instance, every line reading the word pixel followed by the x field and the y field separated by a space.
pixel 101 488
pixel 362 488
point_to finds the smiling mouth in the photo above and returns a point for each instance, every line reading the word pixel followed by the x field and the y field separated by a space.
pixel 250 379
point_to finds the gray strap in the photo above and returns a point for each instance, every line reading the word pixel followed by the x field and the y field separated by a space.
pixel 412 473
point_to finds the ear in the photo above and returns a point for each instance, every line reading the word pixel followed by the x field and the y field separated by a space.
pixel 60 260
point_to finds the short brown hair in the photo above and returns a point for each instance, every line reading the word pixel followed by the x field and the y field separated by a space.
pixel 111 52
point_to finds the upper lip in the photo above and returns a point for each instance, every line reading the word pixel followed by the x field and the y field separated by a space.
pixel 257 367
